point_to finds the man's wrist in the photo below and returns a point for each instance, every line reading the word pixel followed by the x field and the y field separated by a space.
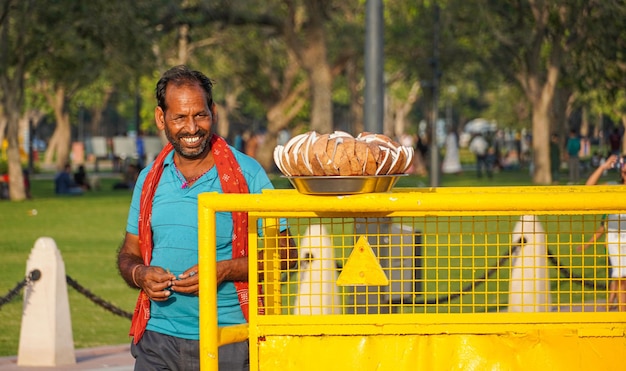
pixel 132 274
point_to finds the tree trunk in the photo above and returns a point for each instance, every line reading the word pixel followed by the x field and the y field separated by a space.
pixel 3 126
pixel 561 109
pixel 183 44
pixel 539 81
pixel 541 145
pixel 584 128
pixel 11 104
pixel 541 96
pixel 60 141
pixel 13 31
pixel 321 100
pixel 403 108
pixel 265 153
pixel 356 98
pixel 312 56
pixel 230 105
pixel 223 123
pixel 98 114
pixel 16 177
pixel 278 117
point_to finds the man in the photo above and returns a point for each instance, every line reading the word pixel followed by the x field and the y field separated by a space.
pixel 160 251
pixel 63 183
pixel 615 232
pixel 479 146
pixel 573 161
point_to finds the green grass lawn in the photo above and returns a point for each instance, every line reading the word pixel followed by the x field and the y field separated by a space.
pixel 88 230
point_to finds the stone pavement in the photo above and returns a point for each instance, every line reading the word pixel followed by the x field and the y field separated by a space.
pixel 118 358
pixel 109 358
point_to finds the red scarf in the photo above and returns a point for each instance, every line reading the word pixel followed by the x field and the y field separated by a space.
pixel 232 181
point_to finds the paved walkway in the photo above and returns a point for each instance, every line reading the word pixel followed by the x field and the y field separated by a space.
pixel 109 358
pixel 118 358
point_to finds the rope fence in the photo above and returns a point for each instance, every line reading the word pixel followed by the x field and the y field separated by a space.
pixel 36 275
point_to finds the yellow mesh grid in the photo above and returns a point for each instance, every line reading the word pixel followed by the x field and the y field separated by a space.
pixel 444 264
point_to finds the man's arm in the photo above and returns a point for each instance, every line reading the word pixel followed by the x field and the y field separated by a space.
pixel 607 165
pixel 153 280
pixel 226 270
pixel 287 251
pixel 129 258
pixel 596 235
pixel 237 269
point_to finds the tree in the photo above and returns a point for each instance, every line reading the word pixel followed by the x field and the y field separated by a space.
pixel 298 29
pixel 272 77
pixel 18 48
pixel 83 41
pixel 531 43
pixel 62 47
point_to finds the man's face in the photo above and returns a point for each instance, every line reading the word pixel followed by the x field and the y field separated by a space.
pixel 188 120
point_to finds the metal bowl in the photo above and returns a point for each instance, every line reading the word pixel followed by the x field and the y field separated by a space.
pixel 343 185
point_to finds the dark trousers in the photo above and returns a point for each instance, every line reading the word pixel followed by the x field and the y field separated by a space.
pixel 157 351
pixel 573 164
pixel 484 162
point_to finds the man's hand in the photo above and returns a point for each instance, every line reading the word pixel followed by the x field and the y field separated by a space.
pixel 187 282
pixel 155 281
pixel 610 162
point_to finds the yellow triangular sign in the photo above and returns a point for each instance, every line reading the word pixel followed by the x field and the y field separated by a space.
pixel 362 267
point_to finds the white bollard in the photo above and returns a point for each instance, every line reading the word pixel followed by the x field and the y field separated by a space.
pixel 529 288
pixel 46 332
pixel 318 293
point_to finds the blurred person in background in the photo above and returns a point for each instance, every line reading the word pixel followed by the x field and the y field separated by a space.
pixel 573 161
pixel 614 227
pixel 64 184
pixel 479 146
pixel 81 179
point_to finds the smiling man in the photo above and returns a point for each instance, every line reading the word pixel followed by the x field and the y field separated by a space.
pixel 159 254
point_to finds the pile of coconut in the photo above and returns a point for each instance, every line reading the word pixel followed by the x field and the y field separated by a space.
pixel 339 153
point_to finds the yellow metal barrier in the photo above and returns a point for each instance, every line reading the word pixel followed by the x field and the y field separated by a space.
pixel 425 279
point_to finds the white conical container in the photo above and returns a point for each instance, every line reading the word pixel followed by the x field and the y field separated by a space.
pixel 529 287
pixel 318 293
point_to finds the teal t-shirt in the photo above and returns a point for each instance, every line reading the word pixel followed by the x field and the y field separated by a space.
pixel 175 239
pixel 573 146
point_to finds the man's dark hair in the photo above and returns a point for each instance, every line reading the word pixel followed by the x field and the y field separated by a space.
pixel 179 76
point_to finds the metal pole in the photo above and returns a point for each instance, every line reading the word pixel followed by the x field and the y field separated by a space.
pixel 374 84
pixel 434 148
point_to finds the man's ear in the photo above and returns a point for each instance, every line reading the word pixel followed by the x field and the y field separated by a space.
pixel 159 118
